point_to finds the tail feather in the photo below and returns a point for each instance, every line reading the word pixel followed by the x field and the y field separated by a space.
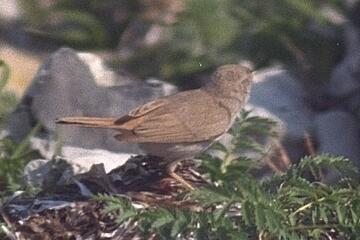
pixel 89 122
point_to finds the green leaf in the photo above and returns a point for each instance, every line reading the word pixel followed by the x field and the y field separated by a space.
pixel 220 212
pixel 247 212
pixel 23 145
pixel 202 225
pixel 292 220
pixel 4 74
pixel 314 215
pixel 259 217
pixel 85 28
pixel 316 233
pixel 210 195
pixel 163 217
pixel 354 216
pixel 307 8
pixel 342 165
pixel 116 204
pixel 323 214
pixel 125 215
pixel 220 147
pixel 341 213
pixel 180 223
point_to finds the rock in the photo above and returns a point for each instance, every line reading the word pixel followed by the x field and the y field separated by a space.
pixel 10 10
pixel 69 84
pixel 353 105
pixel 45 173
pixel 103 76
pixel 3 134
pixel 276 94
pixel 354 10
pixel 345 80
pixel 351 3
pixel 338 133
pixel 332 15
pixel 65 85
pixel 167 88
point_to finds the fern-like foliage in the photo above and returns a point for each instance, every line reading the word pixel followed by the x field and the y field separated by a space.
pixel 239 206
pixel 7 99
pixel 13 156
pixel 285 207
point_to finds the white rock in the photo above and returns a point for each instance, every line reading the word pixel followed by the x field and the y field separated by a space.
pixel 10 10
pixel 73 161
pixel 103 76
pixel 83 159
pixel 167 88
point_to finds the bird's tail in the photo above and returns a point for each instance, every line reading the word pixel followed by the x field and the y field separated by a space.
pixel 92 122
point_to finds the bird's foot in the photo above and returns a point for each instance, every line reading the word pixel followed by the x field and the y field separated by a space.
pixel 171 172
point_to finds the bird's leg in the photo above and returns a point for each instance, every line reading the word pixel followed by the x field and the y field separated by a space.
pixel 170 169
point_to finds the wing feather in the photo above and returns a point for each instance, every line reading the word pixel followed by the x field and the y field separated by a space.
pixel 184 119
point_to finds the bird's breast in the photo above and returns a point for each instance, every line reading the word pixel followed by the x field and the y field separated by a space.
pixel 175 151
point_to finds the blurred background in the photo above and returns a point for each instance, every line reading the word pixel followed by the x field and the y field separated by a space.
pixel 104 57
pixel 178 40
pixel 181 42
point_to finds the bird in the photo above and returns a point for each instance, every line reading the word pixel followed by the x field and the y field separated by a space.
pixel 183 125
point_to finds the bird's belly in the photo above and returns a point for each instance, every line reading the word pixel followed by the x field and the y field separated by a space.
pixel 175 151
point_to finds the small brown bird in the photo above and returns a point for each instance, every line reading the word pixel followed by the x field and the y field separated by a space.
pixel 182 125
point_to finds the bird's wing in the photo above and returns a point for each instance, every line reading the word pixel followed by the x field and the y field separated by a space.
pixel 135 116
pixel 185 118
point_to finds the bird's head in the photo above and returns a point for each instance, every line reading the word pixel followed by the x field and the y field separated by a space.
pixel 231 80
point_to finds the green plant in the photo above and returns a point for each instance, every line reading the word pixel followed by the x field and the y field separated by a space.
pixel 210 33
pixel 80 24
pixel 285 207
pixel 237 205
pixel 207 33
pixel 7 99
pixel 13 158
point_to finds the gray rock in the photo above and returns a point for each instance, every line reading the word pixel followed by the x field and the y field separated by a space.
pixel 351 3
pixel 353 105
pixel 44 173
pixel 277 95
pixel 68 85
pixel 345 80
pixel 338 133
